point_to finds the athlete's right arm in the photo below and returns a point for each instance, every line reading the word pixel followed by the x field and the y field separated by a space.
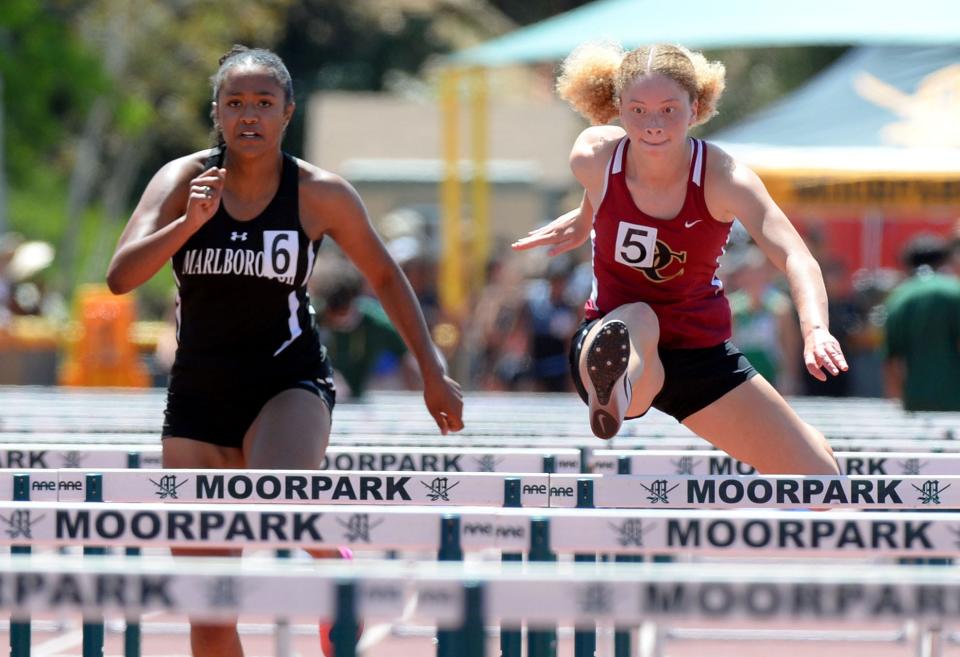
pixel 173 207
pixel 588 160
pixel 589 157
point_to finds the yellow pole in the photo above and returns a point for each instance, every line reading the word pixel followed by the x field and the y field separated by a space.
pixel 480 190
pixel 452 291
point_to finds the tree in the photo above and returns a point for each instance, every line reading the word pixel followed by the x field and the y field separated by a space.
pixel 50 79
pixel 156 56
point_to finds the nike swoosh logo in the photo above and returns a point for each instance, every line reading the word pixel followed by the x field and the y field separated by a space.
pixel 603 423
pixel 688 224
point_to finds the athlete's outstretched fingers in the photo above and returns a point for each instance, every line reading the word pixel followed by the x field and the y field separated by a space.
pixel 825 361
pixel 455 422
pixel 452 416
pixel 559 243
pixel 810 360
pixel 822 352
pixel 563 233
pixel 533 239
pixel 444 401
pixel 836 355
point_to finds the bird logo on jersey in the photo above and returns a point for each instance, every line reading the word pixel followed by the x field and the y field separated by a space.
pixel 638 248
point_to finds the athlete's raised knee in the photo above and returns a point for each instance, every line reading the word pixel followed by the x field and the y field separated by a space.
pixel 640 319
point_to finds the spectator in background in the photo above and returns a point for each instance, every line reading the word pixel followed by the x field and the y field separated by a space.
pixel 848 322
pixel 955 249
pixel 498 334
pixel 8 246
pixel 922 340
pixel 420 268
pixel 360 340
pixel 552 320
pixel 23 269
pixel 763 321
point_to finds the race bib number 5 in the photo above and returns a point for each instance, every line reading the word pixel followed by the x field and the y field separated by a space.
pixel 636 245
pixel 280 253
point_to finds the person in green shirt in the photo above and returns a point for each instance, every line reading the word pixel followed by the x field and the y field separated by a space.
pixel 922 336
pixel 360 339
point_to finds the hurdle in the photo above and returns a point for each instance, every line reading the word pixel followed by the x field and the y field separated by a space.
pixel 538 594
pixel 488 489
pixel 701 535
pixel 715 462
pixel 648 456
pixel 52 409
pixel 478 488
pixel 640 532
pixel 75 455
pixel 118 524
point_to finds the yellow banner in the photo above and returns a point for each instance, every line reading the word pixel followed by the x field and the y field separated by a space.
pixel 875 191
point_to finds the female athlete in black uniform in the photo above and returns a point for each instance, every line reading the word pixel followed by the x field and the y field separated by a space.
pixel 251 386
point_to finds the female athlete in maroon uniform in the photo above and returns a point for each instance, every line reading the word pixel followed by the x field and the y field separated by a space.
pixel 658 206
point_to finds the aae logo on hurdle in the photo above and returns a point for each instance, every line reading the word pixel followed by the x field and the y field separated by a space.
pixel 878 492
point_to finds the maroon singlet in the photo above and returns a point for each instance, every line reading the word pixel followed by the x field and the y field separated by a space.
pixel 670 264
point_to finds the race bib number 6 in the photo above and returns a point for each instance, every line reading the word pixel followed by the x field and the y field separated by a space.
pixel 280 253
pixel 636 245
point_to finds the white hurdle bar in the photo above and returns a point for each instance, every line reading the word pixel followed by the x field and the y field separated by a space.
pixel 73 443
pixel 490 489
pixel 270 484
pixel 559 460
pixel 539 594
pixel 32 455
pixel 55 409
pixel 716 462
pixel 753 533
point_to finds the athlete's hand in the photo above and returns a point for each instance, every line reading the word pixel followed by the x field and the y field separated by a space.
pixel 205 192
pixel 563 234
pixel 821 351
pixel 444 401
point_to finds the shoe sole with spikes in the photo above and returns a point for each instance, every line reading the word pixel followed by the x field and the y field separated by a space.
pixel 607 360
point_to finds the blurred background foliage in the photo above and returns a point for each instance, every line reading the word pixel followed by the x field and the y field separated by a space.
pixel 98 94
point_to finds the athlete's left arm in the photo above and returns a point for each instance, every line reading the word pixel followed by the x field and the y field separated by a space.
pixel 735 191
pixel 330 205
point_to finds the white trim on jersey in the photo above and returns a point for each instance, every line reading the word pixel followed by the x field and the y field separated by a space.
pixel 616 164
pixel 176 303
pixel 618 157
pixel 717 282
pixel 594 292
pixel 697 177
pixel 306 277
pixel 293 320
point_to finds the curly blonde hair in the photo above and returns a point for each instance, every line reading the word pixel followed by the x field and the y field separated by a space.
pixel 594 75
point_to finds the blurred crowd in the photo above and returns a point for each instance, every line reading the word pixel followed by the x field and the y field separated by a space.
pixel 24 289
pixel 516 334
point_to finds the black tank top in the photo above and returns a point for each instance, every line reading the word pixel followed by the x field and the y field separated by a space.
pixel 242 303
